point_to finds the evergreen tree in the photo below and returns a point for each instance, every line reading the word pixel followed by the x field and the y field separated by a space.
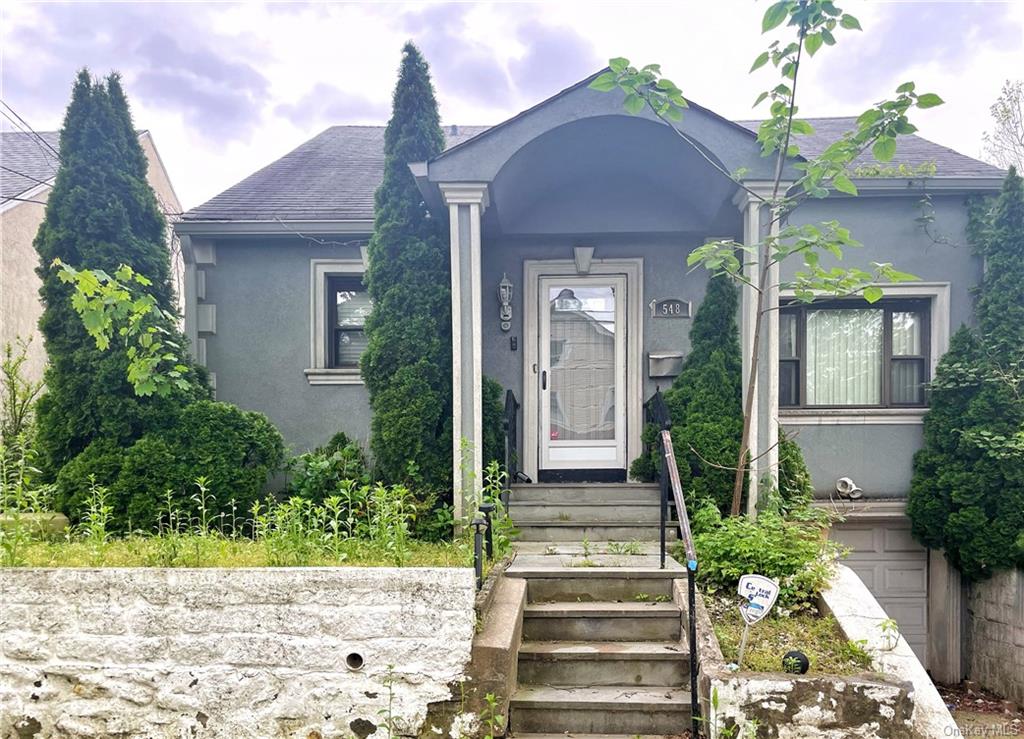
pixel 407 365
pixel 705 405
pixel 101 213
pixel 967 493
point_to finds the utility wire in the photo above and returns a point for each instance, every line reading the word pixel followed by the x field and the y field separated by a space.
pixel 35 140
pixel 26 176
pixel 23 200
pixel 26 124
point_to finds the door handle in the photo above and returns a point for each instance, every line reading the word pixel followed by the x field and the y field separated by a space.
pixel 544 380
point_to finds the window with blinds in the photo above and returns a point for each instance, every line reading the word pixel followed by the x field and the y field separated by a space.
pixel 348 305
pixel 850 353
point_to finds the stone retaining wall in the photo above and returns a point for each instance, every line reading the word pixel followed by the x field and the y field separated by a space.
pixel 303 652
pixel 995 634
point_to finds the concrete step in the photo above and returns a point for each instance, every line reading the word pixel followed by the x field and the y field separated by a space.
pixel 523 512
pixel 600 710
pixel 576 531
pixel 601 621
pixel 603 663
pixel 620 492
pixel 611 580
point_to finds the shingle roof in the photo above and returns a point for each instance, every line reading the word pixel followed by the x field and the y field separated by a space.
pixel 333 176
pixel 910 150
pixel 29 158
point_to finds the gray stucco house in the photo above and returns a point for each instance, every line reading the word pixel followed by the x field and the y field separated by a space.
pixel 588 213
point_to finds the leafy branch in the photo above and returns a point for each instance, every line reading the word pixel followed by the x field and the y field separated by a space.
pixel 118 305
pixel 815 23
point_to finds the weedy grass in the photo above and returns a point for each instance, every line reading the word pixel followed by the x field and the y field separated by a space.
pixel 215 550
pixel 373 531
pixel 817 636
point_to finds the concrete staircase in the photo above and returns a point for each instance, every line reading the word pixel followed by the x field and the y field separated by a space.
pixel 572 512
pixel 602 652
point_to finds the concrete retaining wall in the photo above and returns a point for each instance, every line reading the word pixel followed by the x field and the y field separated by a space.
pixel 861 617
pixel 898 702
pixel 995 634
pixel 310 653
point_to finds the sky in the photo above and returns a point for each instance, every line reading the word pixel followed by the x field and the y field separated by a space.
pixel 226 88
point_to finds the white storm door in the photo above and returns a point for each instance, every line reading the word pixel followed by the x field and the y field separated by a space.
pixel 582 372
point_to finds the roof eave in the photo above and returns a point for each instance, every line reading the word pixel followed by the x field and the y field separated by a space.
pixel 916 185
pixel 272 227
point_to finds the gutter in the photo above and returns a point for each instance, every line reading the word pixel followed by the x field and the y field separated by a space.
pixel 276 227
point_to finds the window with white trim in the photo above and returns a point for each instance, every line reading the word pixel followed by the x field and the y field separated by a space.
pixel 348 305
pixel 339 305
pixel 852 354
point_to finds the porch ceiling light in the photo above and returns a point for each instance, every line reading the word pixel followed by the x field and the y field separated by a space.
pixel 505 300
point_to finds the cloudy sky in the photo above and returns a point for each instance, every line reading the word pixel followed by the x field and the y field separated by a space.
pixel 228 87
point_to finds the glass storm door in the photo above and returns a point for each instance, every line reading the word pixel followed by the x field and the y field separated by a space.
pixel 582 372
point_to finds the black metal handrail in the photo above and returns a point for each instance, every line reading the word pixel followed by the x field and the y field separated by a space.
pixel 672 492
pixel 510 427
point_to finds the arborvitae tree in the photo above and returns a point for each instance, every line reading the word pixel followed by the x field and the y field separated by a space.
pixel 967 493
pixel 407 365
pixel 705 405
pixel 101 213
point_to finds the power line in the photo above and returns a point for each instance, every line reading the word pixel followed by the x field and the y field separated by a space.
pixel 26 124
pixel 23 200
pixel 35 140
pixel 26 176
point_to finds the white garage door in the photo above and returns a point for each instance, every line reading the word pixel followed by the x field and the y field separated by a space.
pixel 895 569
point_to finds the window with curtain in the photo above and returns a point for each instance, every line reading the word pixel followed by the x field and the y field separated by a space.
pixel 348 305
pixel 853 354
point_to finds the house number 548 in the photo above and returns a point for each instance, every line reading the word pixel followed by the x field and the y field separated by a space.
pixel 670 308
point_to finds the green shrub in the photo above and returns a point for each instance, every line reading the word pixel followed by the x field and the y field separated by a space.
pixel 493 395
pixel 967 492
pixel 235 450
pixel 794 553
pixel 319 474
pixel 706 409
pixel 101 461
pixel 795 488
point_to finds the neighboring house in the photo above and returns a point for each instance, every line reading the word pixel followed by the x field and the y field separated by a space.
pixel 590 213
pixel 28 166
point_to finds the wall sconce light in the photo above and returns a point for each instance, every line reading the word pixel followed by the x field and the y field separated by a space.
pixel 505 299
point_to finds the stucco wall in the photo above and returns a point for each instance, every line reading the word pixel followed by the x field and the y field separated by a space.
pixel 261 347
pixel 20 307
pixel 229 653
pixel 19 286
pixel 995 634
pixel 880 457
pixel 665 275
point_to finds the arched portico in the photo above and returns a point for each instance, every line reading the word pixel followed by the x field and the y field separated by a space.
pixel 575 191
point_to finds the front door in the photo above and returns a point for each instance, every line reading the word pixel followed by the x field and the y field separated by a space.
pixel 582 372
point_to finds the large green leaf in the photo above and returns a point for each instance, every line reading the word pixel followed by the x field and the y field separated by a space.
pixel 633 103
pixel 813 42
pixel 929 100
pixel 760 61
pixel 872 294
pixel 884 149
pixel 843 184
pixel 604 82
pixel 774 16
pixel 848 21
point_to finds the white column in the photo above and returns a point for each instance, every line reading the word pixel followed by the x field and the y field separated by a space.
pixel 466 203
pixel 763 438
